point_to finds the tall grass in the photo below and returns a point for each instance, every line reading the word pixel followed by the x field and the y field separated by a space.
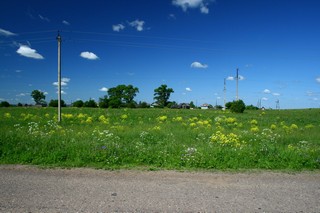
pixel 161 138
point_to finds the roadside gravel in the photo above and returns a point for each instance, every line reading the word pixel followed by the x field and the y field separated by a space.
pixel 30 189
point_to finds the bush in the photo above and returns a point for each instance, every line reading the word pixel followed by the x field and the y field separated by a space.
pixel 78 103
pixel 238 106
pixel 54 103
pixel 90 103
pixel 4 104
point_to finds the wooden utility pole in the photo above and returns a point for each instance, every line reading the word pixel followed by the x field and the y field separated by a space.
pixel 59 76
pixel 237 79
pixel 224 94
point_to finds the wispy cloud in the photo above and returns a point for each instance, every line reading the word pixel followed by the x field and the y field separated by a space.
pixel 137 24
pixel 188 89
pixel 230 78
pixel 6 33
pixel 266 91
pixel 64 82
pixel 264 99
pixel 44 18
pixel 199 65
pixel 118 27
pixel 276 94
pixel 26 51
pixel 318 79
pixel 65 22
pixel 172 16
pixel 89 56
pixel 104 89
pixel 186 4
pixel 22 94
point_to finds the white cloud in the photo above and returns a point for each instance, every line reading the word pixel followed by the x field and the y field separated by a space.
pixel 241 78
pixel 28 52
pixel 318 79
pixel 62 92
pixel 118 27
pixel 18 71
pixel 276 94
pixel 65 22
pixel 185 4
pixel 198 65
pixel 6 33
pixel 62 83
pixel 89 55
pixel 230 78
pixel 137 24
pixel 266 91
pixel 264 99
pixel 172 16
pixel 188 89
pixel 104 89
pixel 66 80
pixel 21 94
pixel 44 18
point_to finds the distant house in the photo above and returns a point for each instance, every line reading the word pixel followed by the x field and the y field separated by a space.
pixel 205 106
pixel 184 106
pixel 154 105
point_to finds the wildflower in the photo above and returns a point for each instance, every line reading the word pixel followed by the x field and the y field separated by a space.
pixel 89 120
pixel 193 125
pixel 81 116
pixel 7 115
pixel 179 119
pixel 254 122
pixel 293 127
pixel 157 128
pixel 273 127
pixel 162 118
pixel 309 126
pixel 68 116
pixel 103 119
pixel 124 116
pixel 231 120
pixel 254 129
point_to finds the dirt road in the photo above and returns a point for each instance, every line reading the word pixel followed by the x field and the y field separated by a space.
pixel 29 189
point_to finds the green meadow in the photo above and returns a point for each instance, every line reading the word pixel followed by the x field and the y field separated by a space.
pixel 161 138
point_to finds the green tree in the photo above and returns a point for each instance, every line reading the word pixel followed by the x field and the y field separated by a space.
pixel 228 105
pixel 251 107
pixel 192 105
pixel 238 106
pixel 122 95
pixel 91 103
pixel 4 104
pixel 54 103
pixel 162 95
pixel 38 97
pixel 78 103
pixel 104 102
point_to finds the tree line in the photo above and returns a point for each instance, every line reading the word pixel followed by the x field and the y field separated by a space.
pixel 122 96
pixel 117 97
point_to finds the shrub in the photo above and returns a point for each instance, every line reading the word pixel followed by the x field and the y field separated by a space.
pixel 78 103
pixel 238 106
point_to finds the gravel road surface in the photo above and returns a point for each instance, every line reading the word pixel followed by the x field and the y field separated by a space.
pixel 30 189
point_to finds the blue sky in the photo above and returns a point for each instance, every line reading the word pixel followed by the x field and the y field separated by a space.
pixel 190 45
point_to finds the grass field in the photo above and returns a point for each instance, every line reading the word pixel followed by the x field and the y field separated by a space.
pixel 161 138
